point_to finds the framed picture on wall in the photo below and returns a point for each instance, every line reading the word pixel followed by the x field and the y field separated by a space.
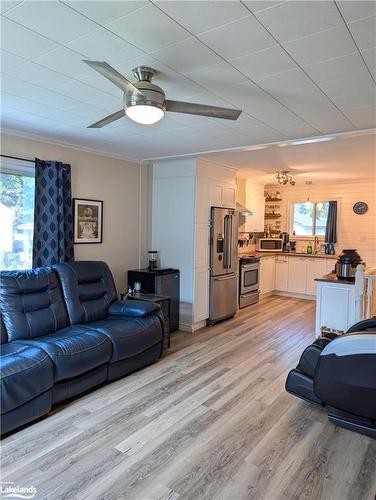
pixel 88 220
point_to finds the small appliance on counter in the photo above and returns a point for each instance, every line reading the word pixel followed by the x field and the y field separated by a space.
pixel 249 280
pixel 153 260
pixel 270 245
pixel 347 263
pixel 285 239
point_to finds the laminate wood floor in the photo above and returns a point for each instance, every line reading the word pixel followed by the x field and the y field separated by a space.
pixel 211 420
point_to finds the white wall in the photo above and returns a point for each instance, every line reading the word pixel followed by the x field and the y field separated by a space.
pixel 116 182
pixel 353 231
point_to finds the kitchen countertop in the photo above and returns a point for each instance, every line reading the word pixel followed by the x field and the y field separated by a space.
pixel 332 278
pixel 296 254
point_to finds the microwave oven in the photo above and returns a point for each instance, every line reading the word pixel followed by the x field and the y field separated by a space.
pixel 270 245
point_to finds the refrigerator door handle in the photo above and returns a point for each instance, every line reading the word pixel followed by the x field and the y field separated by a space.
pixel 229 243
pixel 225 241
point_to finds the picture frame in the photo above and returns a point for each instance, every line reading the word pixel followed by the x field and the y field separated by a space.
pixel 88 221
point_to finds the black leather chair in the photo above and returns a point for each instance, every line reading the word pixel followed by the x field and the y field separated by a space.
pixel 339 372
pixel 61 339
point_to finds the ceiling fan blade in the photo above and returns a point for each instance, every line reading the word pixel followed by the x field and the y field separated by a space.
pixel 201 109
pixel 114 76
pixel 108 119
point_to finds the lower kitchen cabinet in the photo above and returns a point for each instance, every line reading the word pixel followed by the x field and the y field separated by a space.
pixel 335 306
pixel 297 282
pixel 267 274
pixel 315 269
pixel 281 273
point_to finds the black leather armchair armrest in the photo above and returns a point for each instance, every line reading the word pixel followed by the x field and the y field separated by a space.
pixel 133 308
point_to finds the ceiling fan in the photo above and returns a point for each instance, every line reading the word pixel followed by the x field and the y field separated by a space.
pixel 146 103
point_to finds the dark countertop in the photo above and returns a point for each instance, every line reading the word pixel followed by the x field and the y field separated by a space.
pixel 332 278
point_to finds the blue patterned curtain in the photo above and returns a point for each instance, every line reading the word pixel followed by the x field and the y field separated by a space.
pixel 53 214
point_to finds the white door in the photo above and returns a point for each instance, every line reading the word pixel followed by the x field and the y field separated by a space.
pixel 316 268
pixel 297 274
pixel 281 273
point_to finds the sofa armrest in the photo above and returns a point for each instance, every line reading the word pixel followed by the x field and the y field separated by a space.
pixel 133 308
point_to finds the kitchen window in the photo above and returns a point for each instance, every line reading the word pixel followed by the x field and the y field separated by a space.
pixel 17 179
pixel 308 218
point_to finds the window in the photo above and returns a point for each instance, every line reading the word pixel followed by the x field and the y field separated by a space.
pixel 16 215
pixel 309 219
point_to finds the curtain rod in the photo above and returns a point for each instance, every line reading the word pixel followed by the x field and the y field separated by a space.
pixel 17 158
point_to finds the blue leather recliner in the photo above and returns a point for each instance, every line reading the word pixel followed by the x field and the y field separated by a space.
pixel 63 331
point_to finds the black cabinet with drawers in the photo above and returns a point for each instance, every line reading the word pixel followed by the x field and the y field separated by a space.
pixel 160 282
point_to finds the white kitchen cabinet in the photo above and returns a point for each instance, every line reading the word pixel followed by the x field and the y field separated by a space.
pixel 297 277
pixel 330 265
pixel 221 195
pixel 228 197
pixel 335 306
pixel 316 268
pixel 255 202
pixel 281 273
pixel 267 274
pixel 201 304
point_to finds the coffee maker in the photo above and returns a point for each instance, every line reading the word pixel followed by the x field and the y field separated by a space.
pixel 285 239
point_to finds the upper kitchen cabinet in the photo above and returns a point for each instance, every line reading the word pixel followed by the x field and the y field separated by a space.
pixel 251 195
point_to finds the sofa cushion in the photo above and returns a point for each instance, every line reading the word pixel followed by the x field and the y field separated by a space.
pixel 31 303
pixel 3 332
pixel 88 289
pixel 74 350
pixel 26 372
pixel 130 336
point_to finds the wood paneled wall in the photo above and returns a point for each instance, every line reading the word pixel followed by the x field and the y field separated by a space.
pixel 354 231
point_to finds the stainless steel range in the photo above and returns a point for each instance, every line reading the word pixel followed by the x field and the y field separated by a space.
pixel 249 280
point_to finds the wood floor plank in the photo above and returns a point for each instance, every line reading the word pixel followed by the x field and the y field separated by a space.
pixel 211 420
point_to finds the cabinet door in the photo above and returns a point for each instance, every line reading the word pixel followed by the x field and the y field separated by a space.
pixel 297 274
pixel 201 302
pixel 267 276
pixel 202 201
pixel 316 268
pixel 255 223
pixel 215 195
pixel 281 273
pixel 228 197
pixel 202 246
pixel 330 265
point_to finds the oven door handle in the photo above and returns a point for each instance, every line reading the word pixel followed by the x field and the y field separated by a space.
pixel 250 266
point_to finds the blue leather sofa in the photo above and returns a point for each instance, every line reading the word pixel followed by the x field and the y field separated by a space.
pixel 63 331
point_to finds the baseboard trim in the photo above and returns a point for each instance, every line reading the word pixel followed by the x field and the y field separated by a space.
pixel 295 295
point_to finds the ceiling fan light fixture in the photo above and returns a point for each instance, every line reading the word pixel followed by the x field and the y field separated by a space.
pixel 144 114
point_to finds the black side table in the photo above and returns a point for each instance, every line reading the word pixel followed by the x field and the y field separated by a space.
pixel 164 303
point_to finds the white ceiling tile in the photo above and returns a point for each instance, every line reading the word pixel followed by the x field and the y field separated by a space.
pixel 148 28
pixel 105 11
pixel 85 93
pixel 6 5
pixel 296 19
pixel 203 15
pixel 102 45
pixel 357 9
pixel 23 104
pixel 187 56
pixel 336 69
pixel 39 75
pixel 327 44
pixel 52 19
pixel 288 123
pixel 10 61
pixel 89 112
pixel 286 83
pixel 218 78
pixel 266 62
pixel 370 58
pixel 100 82
pixel 364 32
pixel 355 100
pixel 257 5
pixel 361 84
pixel 22 88
pixel 238 38
pixel 363 117
pixel 65 61
pixel 22 41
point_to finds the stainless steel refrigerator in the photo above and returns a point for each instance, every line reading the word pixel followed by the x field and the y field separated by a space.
pixel 223 264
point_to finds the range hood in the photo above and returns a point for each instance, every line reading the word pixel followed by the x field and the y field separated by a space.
pixel 243 210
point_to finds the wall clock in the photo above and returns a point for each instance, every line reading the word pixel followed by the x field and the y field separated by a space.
pixel 360 207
